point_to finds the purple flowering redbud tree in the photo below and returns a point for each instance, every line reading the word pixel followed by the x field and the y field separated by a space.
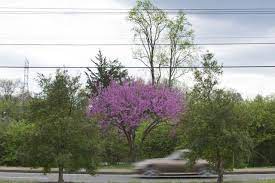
pixel 127 105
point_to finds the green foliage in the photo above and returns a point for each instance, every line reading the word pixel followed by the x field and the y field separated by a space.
pixel 207 78
pixel 216 129
pixel 144 12
pixel 14 143
pixel 261 117
pixel 3 127
pixel 13 112
pixel 263 154
pixel 63 137
pixel 151 26
pixel 149 23
pixel 159 143
pixel 114 147
pixel 107 71
pixel 180 51
pixel 10 110
pixel 216 124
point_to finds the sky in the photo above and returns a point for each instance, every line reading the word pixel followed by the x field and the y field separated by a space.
pixel 115 28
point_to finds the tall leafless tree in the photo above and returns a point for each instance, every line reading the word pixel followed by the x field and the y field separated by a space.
pixel 8 87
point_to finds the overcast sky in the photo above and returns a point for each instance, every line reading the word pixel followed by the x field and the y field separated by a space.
pixel 114 28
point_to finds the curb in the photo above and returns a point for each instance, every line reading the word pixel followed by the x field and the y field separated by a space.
pixel 123 172
pixel 250 172
pixel 55 171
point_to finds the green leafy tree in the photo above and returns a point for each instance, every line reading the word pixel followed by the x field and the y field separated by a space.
pixel 128 106
pixel 106 71
pixel 63 137
pixel 11 105
pixel 149 22
pixel 152 27
pixel 261 119
pixel 262 123
pixel 216 129
pixel 207 78
pixel 14 143
pixel 112 146
pixel 179 52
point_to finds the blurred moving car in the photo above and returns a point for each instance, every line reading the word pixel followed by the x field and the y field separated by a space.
pixel 177 162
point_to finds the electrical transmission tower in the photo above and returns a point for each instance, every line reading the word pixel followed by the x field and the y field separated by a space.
pixel 26 78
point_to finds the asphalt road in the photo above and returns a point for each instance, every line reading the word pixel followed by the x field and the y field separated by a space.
pixel 38 177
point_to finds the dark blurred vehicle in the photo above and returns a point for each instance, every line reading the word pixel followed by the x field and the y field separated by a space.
pixel 177 162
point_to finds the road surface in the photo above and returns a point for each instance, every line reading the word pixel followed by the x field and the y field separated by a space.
pixel 38 177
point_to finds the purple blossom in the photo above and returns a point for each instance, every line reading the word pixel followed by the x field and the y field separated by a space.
pixel 126 106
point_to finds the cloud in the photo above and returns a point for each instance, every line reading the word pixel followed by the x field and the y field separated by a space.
pixel 110 28
pixel 249 84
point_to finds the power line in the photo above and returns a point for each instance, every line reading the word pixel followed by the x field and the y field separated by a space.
pixel 235 37
pixel 134 44
pixel 119 13
pixel 134 67
pixel 123 11
pixel 127 9
pixel 74 10
pixel 5 35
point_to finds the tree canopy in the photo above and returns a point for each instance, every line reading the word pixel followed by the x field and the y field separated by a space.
pixel 106 71
pixel 164 41
pixel 215 128
pixel 62 136
pixel 128 105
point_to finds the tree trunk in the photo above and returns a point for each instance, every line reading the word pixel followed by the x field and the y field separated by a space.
pixel 132 152
pixel 151 60
pixel 170 68
pixel 170 78
pixel 220 171
pixel 60 174
pixel 133 147
pixel 153 75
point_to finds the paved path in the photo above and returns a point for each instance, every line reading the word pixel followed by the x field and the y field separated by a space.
pixel 38 177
